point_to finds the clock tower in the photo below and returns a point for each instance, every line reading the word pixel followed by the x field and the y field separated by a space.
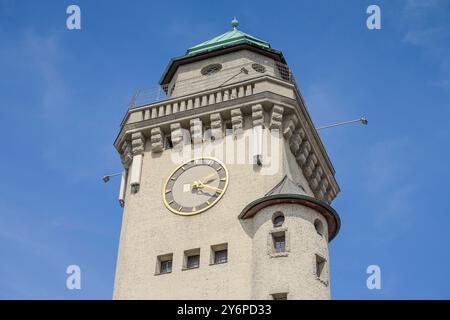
pixel 227 187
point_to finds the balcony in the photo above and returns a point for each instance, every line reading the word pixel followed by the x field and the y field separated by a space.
pixel 196 92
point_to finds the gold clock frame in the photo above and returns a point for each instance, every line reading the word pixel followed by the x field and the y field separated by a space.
pixel 210 205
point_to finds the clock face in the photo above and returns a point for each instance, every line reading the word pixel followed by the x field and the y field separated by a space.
pixel 195 186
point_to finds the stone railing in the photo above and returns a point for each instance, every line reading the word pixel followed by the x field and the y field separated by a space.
pixel 207 97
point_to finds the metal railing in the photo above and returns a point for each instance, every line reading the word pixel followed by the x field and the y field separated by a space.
pixel 227 76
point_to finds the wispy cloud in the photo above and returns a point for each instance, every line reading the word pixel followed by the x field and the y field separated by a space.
pixel 387 181
pixel 44 53
pixel 427 29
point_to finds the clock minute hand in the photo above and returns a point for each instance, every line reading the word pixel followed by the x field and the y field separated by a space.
pixel 202 185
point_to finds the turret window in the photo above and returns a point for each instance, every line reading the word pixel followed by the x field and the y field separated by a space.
pixel 321 269
pixel 279 242
pixel 211 69
pixel 318 225
pixel 278 220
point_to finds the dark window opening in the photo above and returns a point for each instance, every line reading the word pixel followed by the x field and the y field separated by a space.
pixel 279 242
pixel 193 262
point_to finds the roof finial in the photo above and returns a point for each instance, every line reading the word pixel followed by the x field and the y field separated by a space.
pixel 234 23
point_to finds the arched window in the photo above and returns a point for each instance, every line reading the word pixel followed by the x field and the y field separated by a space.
pixel 319 226
pixel 278 219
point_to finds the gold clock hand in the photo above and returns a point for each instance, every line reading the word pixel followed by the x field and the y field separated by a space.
pixel 197 183
pixel 202 185
pixel 207 178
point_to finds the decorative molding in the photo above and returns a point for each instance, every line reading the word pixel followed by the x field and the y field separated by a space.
pixel 303 153
pixel 289 126
pixel 316 177
pixel 237 121
pixel 276 117
pixel 310 165
pixel 297 138
pixel 157 141
pixel 176 135
pixel 257 115
pixel 196 130
pixel 216 126
pixel 126 156
pixel 137 143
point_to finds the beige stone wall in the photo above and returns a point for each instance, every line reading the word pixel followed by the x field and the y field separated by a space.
pixel 294 272
pixel 188 78
pixel 149 229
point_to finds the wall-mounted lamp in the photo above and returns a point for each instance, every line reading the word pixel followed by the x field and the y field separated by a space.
pixel 363 120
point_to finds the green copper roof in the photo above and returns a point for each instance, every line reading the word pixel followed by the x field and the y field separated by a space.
pixel 227 39
pixel 232 38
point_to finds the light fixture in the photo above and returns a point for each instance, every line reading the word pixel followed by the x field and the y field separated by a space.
pixel 363 120
pixel 107 177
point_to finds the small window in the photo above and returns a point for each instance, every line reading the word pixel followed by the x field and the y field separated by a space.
pixel 279 243
pixel 164 264
pixel 211 69
pixel 193 262
pixel 279 296
pixel 319 226
pixel 258 68
pixel 221 256
pixel 278 220
pixel 191 259
pixel 320 266
pixel 219 253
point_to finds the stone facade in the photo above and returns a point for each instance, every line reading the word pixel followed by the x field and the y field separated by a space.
pixel 150 231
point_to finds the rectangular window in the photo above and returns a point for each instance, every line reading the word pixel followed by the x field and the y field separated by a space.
pixel 191 259
pixel 164 264
pixel 193 262
pixel 219 253
pixel 221 256
pixel 279 296
pixel 279 242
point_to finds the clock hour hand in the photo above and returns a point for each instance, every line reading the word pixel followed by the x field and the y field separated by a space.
pixel 208 178
pixel 199 182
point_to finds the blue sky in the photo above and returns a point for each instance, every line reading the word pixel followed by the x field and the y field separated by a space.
pixel 63 94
